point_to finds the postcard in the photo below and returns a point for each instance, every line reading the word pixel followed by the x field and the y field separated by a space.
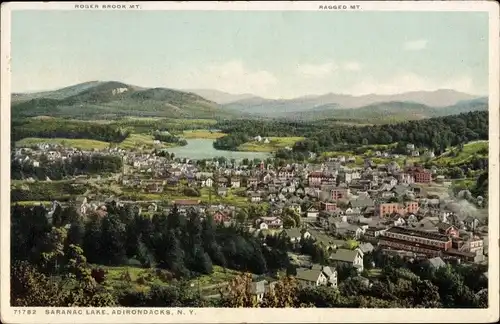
pixel 250 162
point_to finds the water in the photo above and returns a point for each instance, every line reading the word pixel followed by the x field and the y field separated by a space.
pixel 198 149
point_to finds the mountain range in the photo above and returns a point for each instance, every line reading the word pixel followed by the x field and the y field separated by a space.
pixel 111 99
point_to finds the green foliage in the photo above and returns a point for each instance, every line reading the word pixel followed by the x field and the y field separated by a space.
pixel 435 133
pixel 70 129
pixel 74 166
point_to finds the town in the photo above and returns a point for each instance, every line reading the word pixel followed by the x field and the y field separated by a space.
pixel 351 212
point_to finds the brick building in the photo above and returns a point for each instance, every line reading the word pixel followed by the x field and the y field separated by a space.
pixel 421 242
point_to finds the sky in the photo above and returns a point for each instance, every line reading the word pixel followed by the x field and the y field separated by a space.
pixel 273 54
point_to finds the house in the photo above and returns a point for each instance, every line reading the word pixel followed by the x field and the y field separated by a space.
pixel 373 232
pixel 339 193
pixel 252 182
pixel 186 203
pixel 353 258
pixel 328 207
pixel 447 229
pixel 235 182
pixel 222 191
pixel 317 275
pixel 366 248
pixel 420 174
pixel 82 206
pixel 436 263
pixel 255 197
pixel 346 229
pixel 208 182
pixel 312 212
pixel 287 172
pixel 222 182
pixel 361 203
pixel 269 223
pixel 221 217
pixel 294 234
pixel 258 289
pixel 470 243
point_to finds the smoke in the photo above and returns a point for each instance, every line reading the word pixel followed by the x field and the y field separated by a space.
pixel 463 209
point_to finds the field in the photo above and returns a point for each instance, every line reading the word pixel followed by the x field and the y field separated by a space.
pixel 275 143
pixel 202 133
pixel 141 279
pixel 83 144
pixel 141 141
pixel 479 148
pixel 133 141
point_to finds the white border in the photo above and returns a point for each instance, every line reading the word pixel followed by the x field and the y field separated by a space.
pixel 306 315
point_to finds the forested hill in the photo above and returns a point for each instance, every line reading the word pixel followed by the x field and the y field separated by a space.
pixel 114 99
pixel 435 133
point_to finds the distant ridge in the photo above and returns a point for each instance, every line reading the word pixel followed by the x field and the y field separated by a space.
pixel 220 97
pixel 112 99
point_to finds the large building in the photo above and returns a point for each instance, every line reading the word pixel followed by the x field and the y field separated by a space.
pixel 420 242
pixel 420 174
pixel 387 209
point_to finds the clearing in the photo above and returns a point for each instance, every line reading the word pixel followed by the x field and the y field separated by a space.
pixel 478 148
pixel 275 143
pixel 202 133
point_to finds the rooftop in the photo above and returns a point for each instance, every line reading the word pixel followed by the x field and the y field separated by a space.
pixel 417 233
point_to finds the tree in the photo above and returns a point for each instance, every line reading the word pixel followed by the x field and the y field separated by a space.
pixel 52 250
pixel 241 216
pixel 113 237
pixel 288 222
pixel 30 288
pixel 92 244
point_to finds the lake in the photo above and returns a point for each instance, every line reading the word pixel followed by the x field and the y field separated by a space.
pixel 200 148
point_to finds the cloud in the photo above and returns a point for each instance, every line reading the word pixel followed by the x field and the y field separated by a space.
pixel 415 45
pixel 410 82
pixel 232 76
pixel 316 70
pixel 352 66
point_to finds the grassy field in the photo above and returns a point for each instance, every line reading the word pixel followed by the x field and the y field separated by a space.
pixel 83 144
pixel 133 141
pixel 275 143
pixel 142 279
pixel 479 148
pixel 32 203
pixel 202 133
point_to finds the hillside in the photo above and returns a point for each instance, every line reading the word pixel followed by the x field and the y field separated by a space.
pixel 114 99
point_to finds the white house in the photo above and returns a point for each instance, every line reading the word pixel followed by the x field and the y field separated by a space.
pixel 350 257
pixel 312 212
pixel 317 275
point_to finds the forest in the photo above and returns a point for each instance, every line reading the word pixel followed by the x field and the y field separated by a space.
pixel 434 133
pixel 52 128
pixel 166 137
pixel 60 169
pixel 54 264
